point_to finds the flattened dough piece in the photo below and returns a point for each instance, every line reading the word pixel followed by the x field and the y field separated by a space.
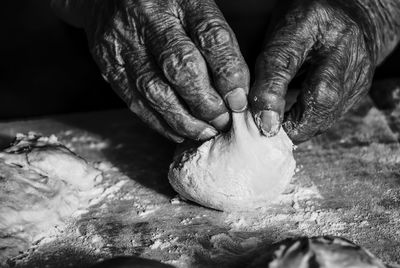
pixel 239 170
pixel 48 157
pixel 42 183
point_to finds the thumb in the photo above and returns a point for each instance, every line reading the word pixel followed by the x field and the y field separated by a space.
pixel 276 66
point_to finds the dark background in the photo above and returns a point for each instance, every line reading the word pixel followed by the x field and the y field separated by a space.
pixel 46 67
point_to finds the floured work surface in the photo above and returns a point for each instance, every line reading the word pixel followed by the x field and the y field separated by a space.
pixel 347 184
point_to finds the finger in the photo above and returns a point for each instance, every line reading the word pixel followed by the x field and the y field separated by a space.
pixel 138 105
pixel 113 71
pixel 276 66
pixel 217 42
pixel 320 102
pixel 341 79
pixel 185 69
pixel 146 77
pixel 152 119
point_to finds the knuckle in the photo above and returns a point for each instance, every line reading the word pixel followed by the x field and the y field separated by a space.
pixel 281 58
pixel 146 85
pixel 119 80
pixel 106 51
pixel 112 70
pixel 353 30
pixel 207 111
pixel 272 101
pixel 183 65
pixel 326 97
pixel 266 98
pixel 234 70
pixel 213 34
pixel 156 93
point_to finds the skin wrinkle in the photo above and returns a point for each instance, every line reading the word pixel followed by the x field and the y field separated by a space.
pixel 154 91
pixel 121 85
pixel 220 50
pixel 116 26
pixel 230 68
pixel 182 69
pixel 209 35
pixel 364 32
pixel 342 76
pixel 167 103
pixel 328 97
pixel 380 20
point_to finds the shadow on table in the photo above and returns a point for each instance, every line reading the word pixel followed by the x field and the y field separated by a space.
pixel 135 149
pixel 5 141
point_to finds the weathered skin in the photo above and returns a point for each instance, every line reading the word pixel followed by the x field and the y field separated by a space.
pixel 340 42
pixel 155 55
pixel 175 62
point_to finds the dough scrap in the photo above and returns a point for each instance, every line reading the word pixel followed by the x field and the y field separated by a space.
pixel 235 171
pixel 41 184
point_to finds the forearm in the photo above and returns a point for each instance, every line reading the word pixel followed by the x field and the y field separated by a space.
pixel 380 20
pixel 385 17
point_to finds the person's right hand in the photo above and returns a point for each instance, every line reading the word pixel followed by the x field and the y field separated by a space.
pixel 176 63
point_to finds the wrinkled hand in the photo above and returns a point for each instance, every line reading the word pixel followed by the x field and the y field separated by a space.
pixel 330 39
pixel 175 63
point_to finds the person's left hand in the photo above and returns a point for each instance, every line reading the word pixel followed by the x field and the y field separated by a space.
pixel 341 64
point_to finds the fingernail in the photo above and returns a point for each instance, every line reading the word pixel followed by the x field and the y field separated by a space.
pixel 269 123
pixel 221 121
pixel 207 134
pixel 237 100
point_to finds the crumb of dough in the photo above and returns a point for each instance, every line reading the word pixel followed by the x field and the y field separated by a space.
pixel 238 170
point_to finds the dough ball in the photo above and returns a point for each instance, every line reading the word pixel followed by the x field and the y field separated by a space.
pixel 238 170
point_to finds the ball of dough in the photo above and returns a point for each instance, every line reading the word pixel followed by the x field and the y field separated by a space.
pixel 238 170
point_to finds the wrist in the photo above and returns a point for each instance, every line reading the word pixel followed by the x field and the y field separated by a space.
pixel 379 21
pixel 385 17
pixel 381 26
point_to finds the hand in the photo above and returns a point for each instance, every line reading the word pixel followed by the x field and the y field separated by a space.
pixel 331 39
pixel 176 63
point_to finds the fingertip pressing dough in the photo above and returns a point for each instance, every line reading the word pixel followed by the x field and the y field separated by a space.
pixel 235 171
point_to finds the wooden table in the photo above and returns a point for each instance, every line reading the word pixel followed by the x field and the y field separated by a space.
pixel 347 184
